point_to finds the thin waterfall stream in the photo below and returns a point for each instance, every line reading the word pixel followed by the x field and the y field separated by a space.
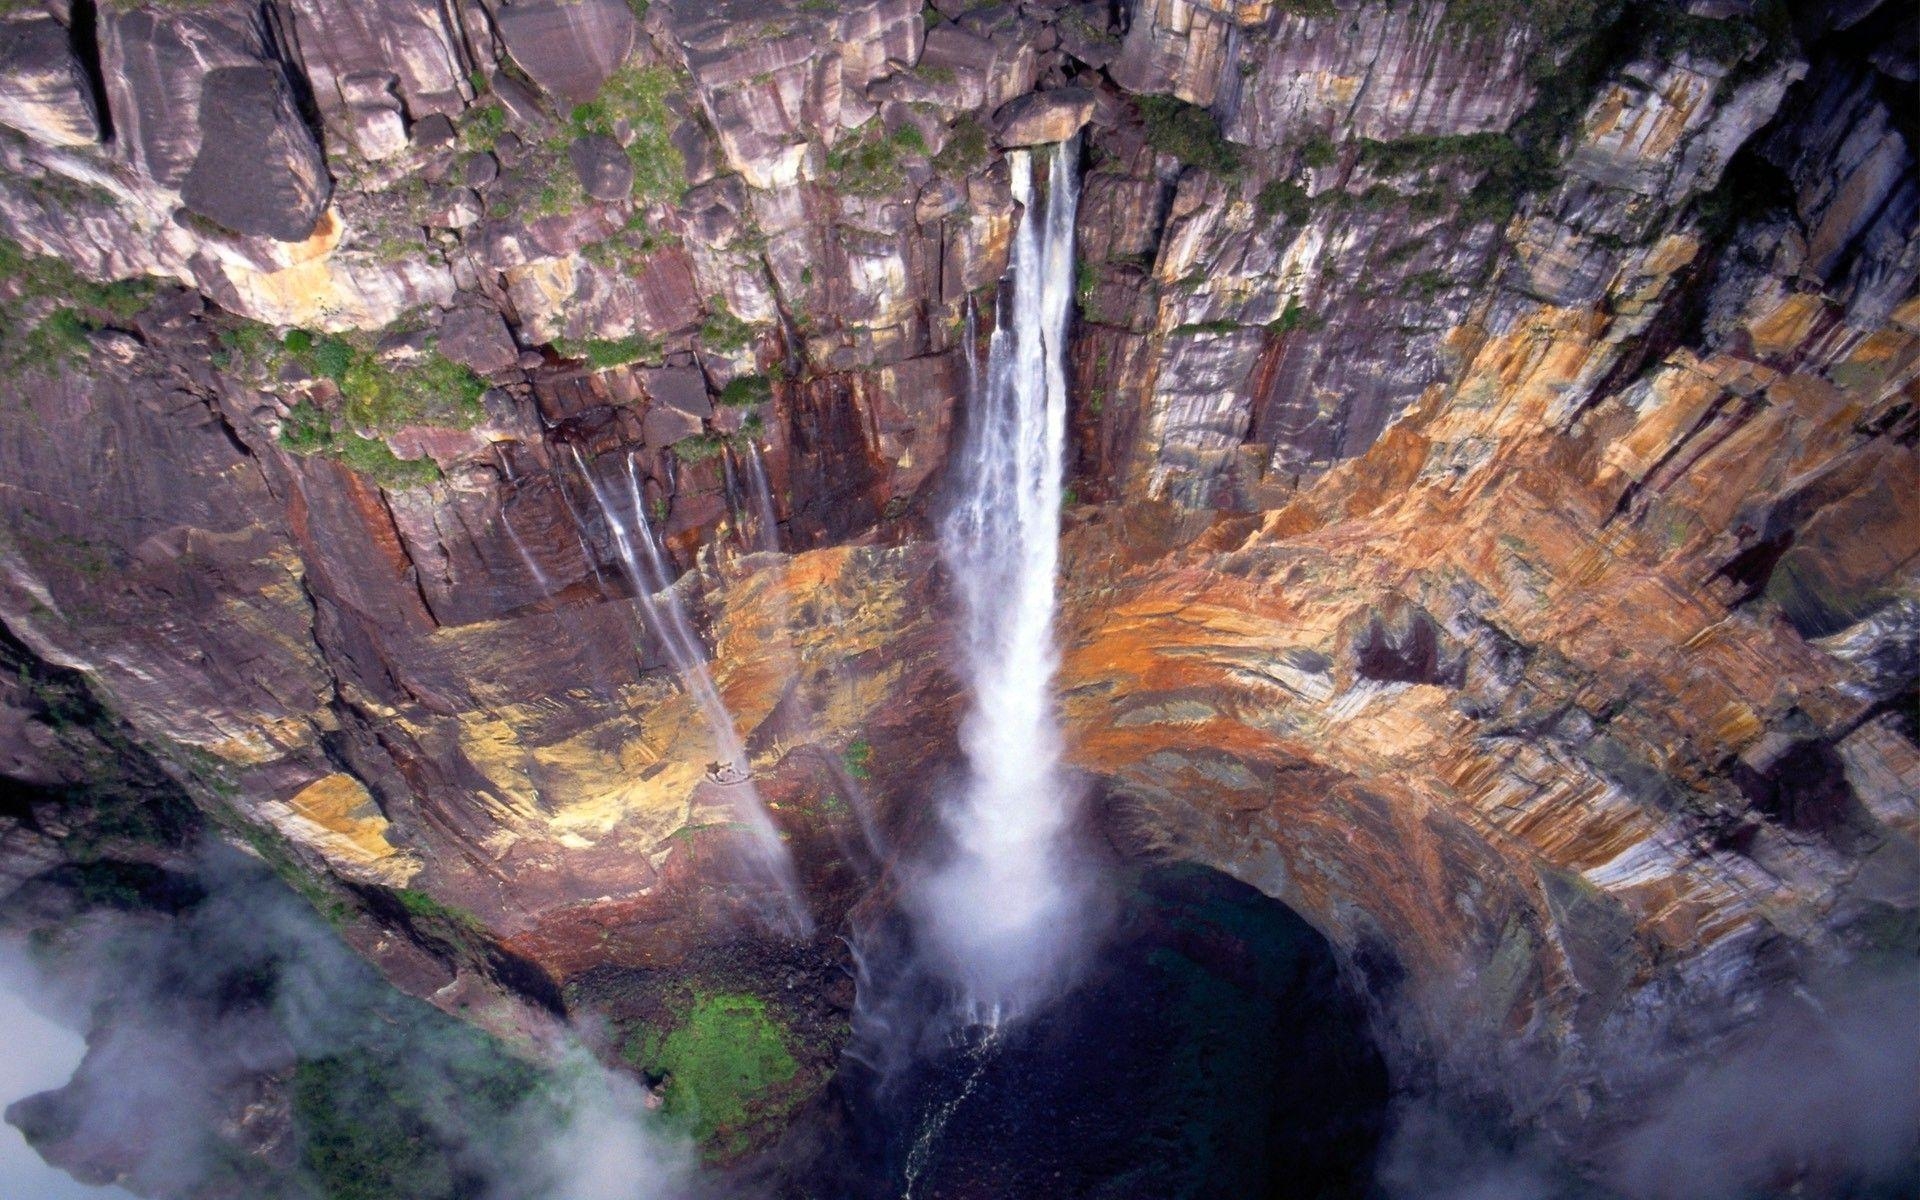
pixel 645 567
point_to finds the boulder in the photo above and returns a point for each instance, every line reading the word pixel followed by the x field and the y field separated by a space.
pixel 679 404
pixel 1043 117
pixel 603 166
pixel 44 93
pixel 569 49
pixel 258 170
pixel 477 338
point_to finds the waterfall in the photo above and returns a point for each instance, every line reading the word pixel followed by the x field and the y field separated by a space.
pixel 1004 911
pixel 760 493
pixel 645 567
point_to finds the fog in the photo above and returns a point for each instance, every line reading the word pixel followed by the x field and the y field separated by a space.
pixel 217 1031
pixel 39 1054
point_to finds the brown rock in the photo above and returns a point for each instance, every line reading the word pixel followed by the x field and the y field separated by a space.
pixel 602 164
pixel 477 338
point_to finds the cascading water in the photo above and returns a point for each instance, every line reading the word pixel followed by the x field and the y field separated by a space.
pixel 1005 911
pixel 760 494
pixel 645 567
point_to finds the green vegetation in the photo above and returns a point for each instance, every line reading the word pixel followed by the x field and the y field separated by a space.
pixel 701 447
pixel 725 1060
pixel 858 758
pixel 1189 133
pixel 47 309
pixel 375 396
pixel 871 163
pixel 1206 327
pixel 1294 316
pixel 1280 198
pixel 604 353
pixel 744 391
pixel 1309 8
pixel 400 1113
pixel 1319 151
pixel 966 149
pixel 1552 20
pixel 723 331
pixel 638 96
pixel 482 125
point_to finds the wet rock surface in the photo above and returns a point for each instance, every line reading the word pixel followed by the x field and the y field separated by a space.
pixel 1493 463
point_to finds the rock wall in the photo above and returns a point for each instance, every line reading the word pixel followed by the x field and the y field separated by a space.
pixel 1494 524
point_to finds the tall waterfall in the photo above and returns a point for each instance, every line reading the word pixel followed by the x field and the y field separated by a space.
pixel 1004 912
pixel 645 567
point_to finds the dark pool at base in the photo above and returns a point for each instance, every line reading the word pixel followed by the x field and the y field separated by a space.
pixel 1211 1051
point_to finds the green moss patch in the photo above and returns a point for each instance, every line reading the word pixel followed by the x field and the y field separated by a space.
pixel 638 96
pixel 47 309
pixel 727 1064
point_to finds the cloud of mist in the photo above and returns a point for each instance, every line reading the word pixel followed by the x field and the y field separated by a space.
pixel 198 1028
pixel 1826 1091
pixel 1821 1091
pixel 40 1054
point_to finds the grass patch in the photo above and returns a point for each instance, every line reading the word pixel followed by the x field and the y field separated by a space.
pixel 604 353
pixel 723 331
pixel 858 759
pixel 701 447
pixel 1280 199
pixel 966 150
pixel 1189 133
pixel 47 309
pixel 638 96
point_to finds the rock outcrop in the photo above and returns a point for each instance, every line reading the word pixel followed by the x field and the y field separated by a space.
pixel 1494 479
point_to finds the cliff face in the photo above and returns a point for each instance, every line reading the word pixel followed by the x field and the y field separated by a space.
pixel 1495 505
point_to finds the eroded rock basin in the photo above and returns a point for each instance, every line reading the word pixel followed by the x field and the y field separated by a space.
pixel 1211 1049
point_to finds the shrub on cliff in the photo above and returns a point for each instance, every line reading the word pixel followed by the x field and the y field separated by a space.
pixel 1189 133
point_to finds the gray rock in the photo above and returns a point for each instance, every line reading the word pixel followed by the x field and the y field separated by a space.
pixel 1043 117
pixel 453 207
pixel 603 166
pixel 524 109
pixel 569 49
pixel 258 170
pixel 480 170
pixel 43 91
pixel 433 132
pixel 414 43
pixel 478 338
pixel 680 404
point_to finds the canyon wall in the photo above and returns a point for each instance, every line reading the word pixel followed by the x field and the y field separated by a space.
pixel 1494 502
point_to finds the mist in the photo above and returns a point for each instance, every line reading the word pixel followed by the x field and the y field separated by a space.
pixel 1817 1096
pixel 240 1049
pixel 40 1054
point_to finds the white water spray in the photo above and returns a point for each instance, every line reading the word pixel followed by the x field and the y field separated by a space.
pixel 1005 912
pixel 645 567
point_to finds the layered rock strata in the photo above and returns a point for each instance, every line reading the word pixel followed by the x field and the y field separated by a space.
pixel 1494 526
